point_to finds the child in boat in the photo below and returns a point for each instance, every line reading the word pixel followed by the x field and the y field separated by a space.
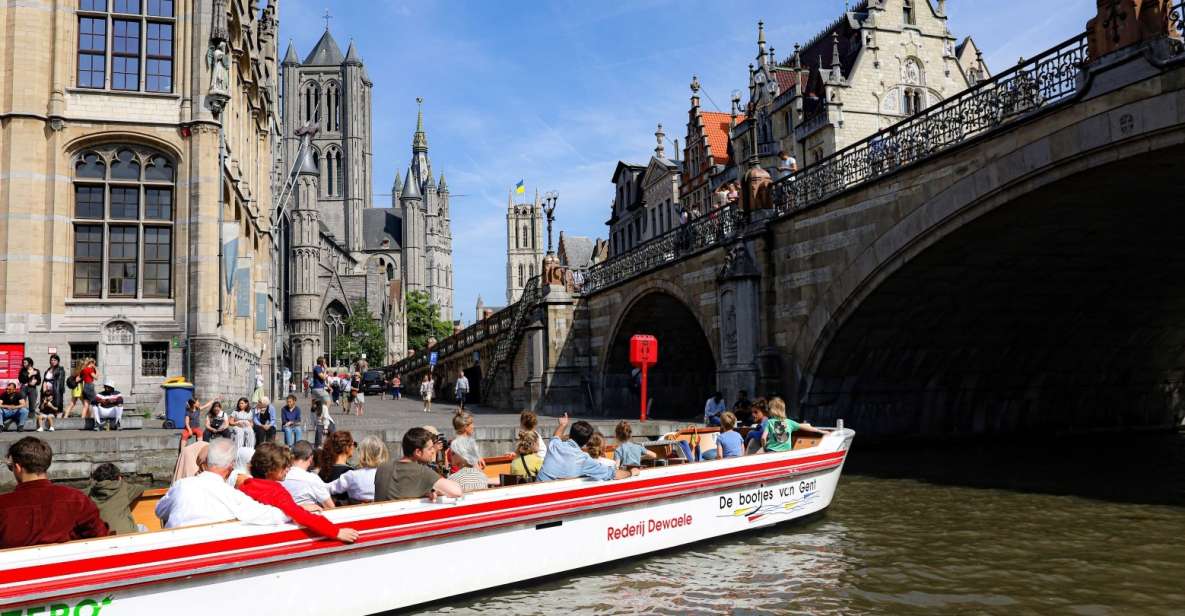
pixel 465 441
pixel 269 465
pixel 760 410
pixel 595 448
pixel 358 484
pixel 527 424
pixel 526 462
pixel 114 498
pixel 779 429
pixel 629 453
pixel 729 443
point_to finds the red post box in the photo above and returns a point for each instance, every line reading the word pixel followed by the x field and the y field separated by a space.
pixel 643 354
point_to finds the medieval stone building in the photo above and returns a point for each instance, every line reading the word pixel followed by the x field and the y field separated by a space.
pixel 427 225
pixel 879 63
pixel 524 244
pixel 126 237
pixel 341 250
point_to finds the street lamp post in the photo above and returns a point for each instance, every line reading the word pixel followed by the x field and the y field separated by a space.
pixel 550 200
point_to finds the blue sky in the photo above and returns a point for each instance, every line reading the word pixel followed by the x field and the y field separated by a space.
pixel 555 93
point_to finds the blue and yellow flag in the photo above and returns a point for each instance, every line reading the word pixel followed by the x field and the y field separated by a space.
pixel 520 188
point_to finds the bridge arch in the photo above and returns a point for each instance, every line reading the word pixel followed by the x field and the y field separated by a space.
pixel 1050 301
pixel 686 372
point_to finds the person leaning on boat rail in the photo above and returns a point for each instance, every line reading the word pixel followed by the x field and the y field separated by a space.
pixel 206 497
pixel 566 460
pixel 38 512
pixel 778 429
pixel 358 484
pixel 410 476
pixel 269 464
pixel 306 488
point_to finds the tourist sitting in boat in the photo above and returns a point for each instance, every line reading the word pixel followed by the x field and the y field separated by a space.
pixel 526 461
pixel 463 426
pixel 114 497
pixel 410 476
pixel 529 422
pixel 242 467
pixel 779 429
pixel 333 461
pixel 729 443
pixel 465 458
pixel 108 406
pixel 628 453
pixel 306 488
pixel 264 421
pixel 595 448
pixel 217 423
pixel 242 425
pixel 713 408
pixel 38 512
pixel 207 498
pixel 760 410
pixel 358 484
pixel 566 460
pixel 269 465
pixel 190 461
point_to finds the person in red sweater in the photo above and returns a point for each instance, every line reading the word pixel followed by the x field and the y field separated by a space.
pixel 269 465
pixel 38 512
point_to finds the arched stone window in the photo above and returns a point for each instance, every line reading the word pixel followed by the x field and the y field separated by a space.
pixel 333 111
pixel 311 98
pixel 123 222
pixel 522 238
pixel 521 278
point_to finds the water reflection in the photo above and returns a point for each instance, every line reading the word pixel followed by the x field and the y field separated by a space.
pixel 1076 536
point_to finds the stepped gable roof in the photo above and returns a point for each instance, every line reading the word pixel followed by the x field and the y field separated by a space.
pixel 381 223
pixel 716 133
pixel 575 251
pixel 325 52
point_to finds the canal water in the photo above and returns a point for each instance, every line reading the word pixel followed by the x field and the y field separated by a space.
pixel 1093 525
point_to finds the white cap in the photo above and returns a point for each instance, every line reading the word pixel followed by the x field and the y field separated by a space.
pixel 109 383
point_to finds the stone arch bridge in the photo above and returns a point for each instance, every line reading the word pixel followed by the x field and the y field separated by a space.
pixel 1010 259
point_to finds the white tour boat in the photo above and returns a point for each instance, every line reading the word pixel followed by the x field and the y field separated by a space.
pixel 416 551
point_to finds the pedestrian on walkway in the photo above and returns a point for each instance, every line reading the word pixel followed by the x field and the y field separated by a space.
pixel 358 397
pixel 427 387
pixel 462 389
pixel 54 379
pixel 397 387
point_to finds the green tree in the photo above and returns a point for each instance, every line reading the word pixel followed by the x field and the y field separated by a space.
pixel 423 321
pixel 363 334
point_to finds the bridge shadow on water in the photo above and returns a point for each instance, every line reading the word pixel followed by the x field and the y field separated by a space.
pixel 1138 468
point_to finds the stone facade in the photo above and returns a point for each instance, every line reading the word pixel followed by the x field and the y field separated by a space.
pixel 707 155
pixel 879 63
pixel 524 245
pixel 660 191
pixel 123 237
pixel 340 249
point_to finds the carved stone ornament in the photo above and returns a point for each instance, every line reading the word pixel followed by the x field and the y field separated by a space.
pixel 737 263
pixel 118 332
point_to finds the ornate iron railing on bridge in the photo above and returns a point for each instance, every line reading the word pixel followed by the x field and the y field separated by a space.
pixel 506 325
pixel 1032 86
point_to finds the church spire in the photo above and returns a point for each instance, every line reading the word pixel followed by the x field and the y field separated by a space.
pixel 659 135
pixel 419 143
pixel 443 184
pixel 290 58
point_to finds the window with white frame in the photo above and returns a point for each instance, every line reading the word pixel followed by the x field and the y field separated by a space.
pixel 126 45
pixel 123 223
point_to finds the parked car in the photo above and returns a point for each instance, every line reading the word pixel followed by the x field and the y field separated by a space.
pixel 374 382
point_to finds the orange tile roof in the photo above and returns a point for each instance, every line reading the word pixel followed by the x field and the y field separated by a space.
pixel 716 133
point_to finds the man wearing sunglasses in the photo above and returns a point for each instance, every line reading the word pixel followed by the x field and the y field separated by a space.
pixel 38 512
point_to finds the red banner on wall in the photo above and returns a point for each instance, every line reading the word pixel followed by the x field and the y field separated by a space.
pixel 11 356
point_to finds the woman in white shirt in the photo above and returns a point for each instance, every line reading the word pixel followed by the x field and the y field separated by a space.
pixel 358 484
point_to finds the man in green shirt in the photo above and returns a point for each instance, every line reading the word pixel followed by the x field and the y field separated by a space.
pixel 410 476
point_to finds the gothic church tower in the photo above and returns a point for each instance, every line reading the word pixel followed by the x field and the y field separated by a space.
pixel 427 226
pixel 332 91
pixel 524 244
